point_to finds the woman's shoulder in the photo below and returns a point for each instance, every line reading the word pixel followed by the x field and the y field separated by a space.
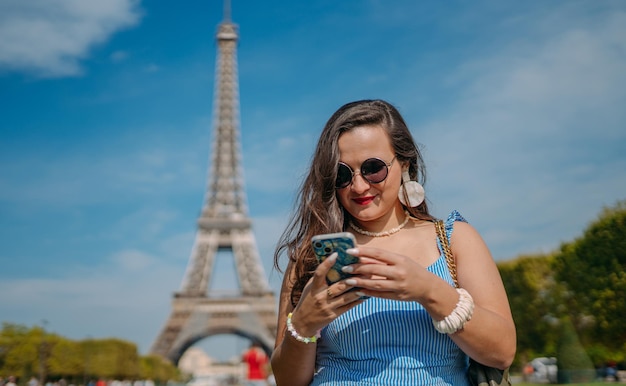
pixel 457 225
pixel 462 235
pixel 453 217
pixel 449 222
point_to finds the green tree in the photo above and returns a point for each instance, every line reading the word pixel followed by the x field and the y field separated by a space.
pixel 531 289
pixel 573 362
pixel 593 268
pixel 66 359
pixel 21 350
pixel 158 369
pixel 114 359
pixel 583 282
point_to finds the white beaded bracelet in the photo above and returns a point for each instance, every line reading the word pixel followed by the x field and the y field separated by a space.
pixel 461 314
pixel 297 336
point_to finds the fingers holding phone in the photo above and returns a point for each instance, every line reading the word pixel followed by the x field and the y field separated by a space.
pixel 327 295
pixel 325 245
pixel 339 243
pixel 330 290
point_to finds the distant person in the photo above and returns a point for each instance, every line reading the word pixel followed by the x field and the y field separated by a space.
pixel 33 382
pixel 11 381
pixel 527 372
pixel 256 365
pixel 611 372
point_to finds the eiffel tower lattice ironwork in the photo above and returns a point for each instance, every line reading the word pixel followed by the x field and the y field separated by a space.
pixel 223 225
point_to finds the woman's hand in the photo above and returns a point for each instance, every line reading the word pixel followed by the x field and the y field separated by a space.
pixel 321 303
pixel 389 275
pixel 293 361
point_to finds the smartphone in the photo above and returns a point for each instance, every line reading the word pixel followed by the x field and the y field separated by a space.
pixel 324 245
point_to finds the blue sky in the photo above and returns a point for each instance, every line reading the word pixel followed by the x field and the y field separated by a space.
pixel 106 125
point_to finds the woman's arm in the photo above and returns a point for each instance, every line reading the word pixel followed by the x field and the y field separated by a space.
pixel 293 362
pixel 489 337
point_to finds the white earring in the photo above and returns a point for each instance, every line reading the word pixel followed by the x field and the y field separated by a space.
pixel 411 190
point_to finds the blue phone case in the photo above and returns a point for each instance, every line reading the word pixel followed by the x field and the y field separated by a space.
pixel 324 245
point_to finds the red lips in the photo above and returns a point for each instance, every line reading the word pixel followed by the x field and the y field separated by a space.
pixel 364 200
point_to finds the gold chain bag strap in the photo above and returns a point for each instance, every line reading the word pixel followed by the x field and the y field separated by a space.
pixel 479 374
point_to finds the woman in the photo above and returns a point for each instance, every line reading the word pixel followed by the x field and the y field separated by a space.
pixel 399 320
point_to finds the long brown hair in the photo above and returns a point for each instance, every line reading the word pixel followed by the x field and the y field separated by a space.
pixel 317 209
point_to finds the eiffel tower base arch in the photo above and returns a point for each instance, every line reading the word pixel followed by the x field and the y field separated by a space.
pixel 195 318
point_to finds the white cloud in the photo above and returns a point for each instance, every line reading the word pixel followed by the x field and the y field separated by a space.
pixel 129 295
pixel 550 84
pixel 152 68
pixel 119 56
pixel 525 142
pixel 133 260
pixel 126 295
pixel 124 168
pixel 49 38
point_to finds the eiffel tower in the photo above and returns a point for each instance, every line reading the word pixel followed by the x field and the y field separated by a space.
pixel 223 225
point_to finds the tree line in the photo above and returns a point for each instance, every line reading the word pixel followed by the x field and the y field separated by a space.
pixel 569 304
pixel 27 352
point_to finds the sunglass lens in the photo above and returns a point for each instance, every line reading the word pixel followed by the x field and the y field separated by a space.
pixel 374 170
pixel 344 176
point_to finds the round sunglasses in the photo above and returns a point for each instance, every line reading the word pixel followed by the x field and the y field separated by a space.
pixel 373 170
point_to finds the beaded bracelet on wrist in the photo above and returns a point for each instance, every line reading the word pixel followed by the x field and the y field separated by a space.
pixel 461 314
pixel 298 337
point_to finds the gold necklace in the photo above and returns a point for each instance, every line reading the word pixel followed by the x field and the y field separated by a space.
pixel 383 233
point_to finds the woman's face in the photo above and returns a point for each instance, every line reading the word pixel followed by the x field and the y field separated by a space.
pixel 367 201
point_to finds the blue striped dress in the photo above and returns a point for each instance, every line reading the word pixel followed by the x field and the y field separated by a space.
pixel 390 342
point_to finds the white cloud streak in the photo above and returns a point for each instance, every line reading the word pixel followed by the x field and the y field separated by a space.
pixel 49 38
pixel 130 288
pixel 524 142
